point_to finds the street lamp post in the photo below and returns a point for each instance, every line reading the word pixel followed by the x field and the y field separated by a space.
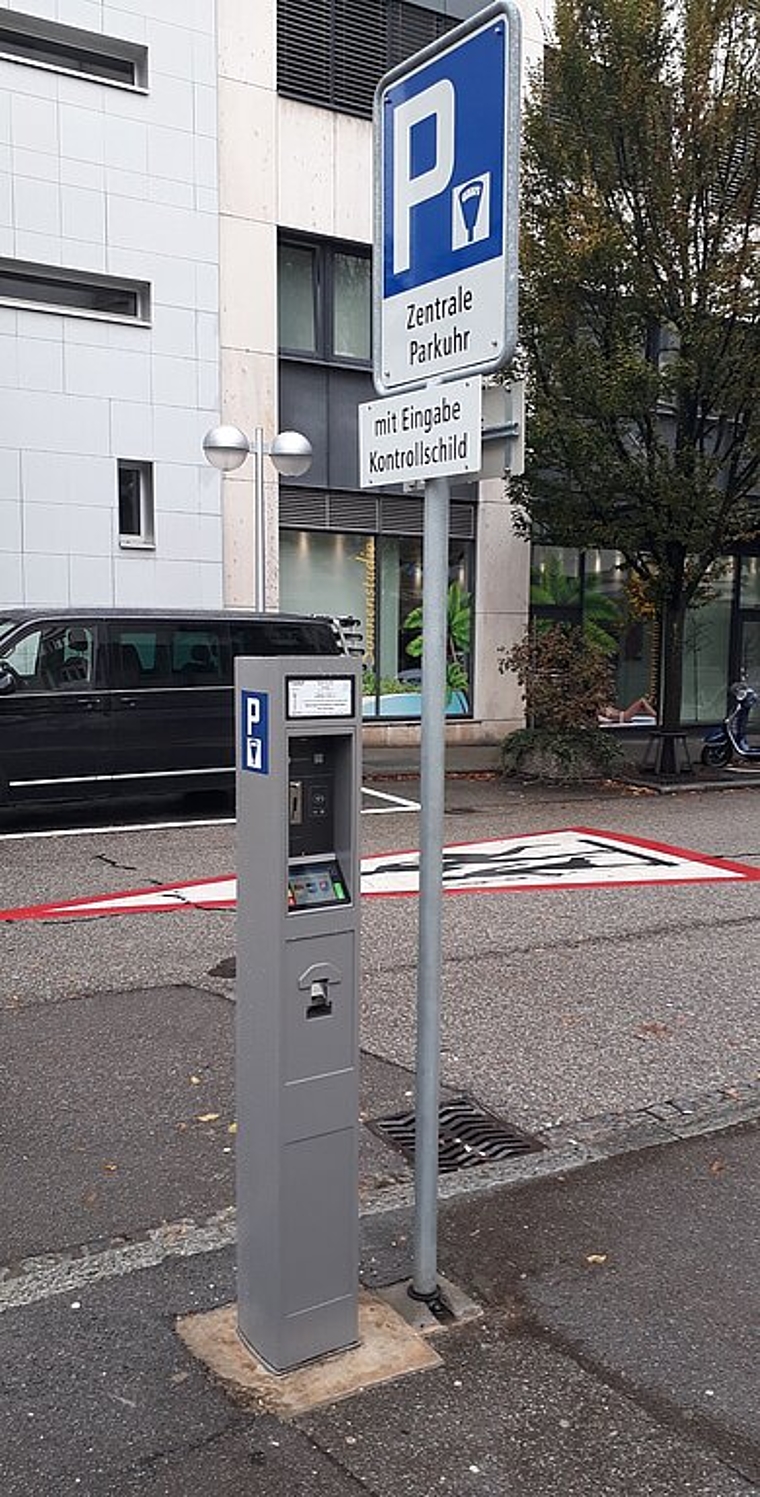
pixel 227 447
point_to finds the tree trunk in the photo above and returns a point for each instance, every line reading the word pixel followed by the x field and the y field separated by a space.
pixel 671 677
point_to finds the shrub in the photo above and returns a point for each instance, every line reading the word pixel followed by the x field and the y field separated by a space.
pixel 566 681
pixel 565 754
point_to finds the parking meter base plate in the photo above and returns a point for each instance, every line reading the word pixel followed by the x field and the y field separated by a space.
pixel 387 1348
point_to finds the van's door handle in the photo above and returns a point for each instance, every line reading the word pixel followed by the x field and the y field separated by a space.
pixel 90 704
pixel 127 701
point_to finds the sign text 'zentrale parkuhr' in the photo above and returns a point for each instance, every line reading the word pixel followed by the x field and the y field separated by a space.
pixel 428 432
pixel 446 207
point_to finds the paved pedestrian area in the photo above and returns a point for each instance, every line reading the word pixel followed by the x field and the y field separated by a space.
pixel 616 1353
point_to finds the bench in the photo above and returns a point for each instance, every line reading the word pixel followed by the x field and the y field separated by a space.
pixel 680 760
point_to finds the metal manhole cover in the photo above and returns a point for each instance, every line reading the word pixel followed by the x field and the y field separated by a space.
pixel 467 1135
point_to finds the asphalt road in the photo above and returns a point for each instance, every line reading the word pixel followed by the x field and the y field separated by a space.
pixel 557 1005
pixel 617 1348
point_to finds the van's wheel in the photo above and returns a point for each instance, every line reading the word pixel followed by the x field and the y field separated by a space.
pixel 716 755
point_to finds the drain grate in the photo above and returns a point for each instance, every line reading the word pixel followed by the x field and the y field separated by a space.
pixel 467 1135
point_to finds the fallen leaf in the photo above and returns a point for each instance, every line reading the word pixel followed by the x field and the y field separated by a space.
pixel 717 1167
pixel 232 1128
pixel 207 1117
pixel 110 1166
pixel 596 1257
pixel 90 1198
pixel 654 1028
pixel 195 1080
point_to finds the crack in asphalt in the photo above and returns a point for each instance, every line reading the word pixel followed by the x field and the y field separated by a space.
pixel 619 938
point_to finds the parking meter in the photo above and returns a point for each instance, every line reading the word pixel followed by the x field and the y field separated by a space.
pixel 298 788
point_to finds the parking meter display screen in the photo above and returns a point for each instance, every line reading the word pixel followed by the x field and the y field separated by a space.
pixel 316 884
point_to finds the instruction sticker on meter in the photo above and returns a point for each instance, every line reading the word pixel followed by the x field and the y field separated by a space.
pixel 320 696
pixel 254 718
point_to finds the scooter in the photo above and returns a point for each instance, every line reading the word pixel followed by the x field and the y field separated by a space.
pixel 731 737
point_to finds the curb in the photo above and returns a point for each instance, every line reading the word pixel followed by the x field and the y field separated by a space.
pixel 569 1147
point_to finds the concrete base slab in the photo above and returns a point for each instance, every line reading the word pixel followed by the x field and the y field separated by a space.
pixel 388 1348
pixel 456 1307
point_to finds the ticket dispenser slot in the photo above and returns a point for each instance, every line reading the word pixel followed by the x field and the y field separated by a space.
pixel 316 982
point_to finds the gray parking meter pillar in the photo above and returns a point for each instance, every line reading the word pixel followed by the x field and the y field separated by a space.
pixel 298 788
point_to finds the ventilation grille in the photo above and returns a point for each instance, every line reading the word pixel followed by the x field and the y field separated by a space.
pixel 401 516
pixel 410 28
pixel 334 52
pixel 304 49
pixel 352 512
pixel 462 522
pixel 303 509
pixel 307 509
pixel 360 52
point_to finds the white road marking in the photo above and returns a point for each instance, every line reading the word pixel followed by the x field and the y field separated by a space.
pixel 92 831
pixel 41 1278
pixel 399 803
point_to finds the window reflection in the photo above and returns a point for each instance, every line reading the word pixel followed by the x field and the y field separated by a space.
pixel 378 580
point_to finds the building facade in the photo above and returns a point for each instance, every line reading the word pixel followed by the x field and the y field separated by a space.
pixel 185 229
pixel 109 303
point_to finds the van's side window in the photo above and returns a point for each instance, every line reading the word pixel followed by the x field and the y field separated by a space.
pixel 284 637
pixel 198 657
pixel 166 655
pixel 54 657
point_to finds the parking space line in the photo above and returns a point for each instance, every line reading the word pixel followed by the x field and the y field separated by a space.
pixel 397 803
pixel 137 826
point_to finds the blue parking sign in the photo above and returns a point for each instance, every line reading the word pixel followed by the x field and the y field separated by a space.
pixel 447 128
pixel 254 731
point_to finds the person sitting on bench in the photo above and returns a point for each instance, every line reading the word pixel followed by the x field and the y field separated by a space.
pixel 640 708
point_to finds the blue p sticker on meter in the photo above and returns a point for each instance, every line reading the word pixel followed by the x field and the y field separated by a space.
pixel 254 719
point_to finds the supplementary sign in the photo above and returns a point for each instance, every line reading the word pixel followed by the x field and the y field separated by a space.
pixel 573 858
pixel 447 132
pixel 430 433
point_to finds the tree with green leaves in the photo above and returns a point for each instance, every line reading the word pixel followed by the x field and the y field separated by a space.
pixel 641 294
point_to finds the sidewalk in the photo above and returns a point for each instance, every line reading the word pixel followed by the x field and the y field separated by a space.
pixel 380 760
pixel 616 1354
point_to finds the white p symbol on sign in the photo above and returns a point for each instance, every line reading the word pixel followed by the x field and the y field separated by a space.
pixel 437 103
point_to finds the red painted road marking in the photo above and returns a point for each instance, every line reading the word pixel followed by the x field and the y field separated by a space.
pixel 570 858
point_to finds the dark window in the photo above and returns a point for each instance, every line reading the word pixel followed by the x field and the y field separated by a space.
pixel 285 637
pixel 33 40
pixel 325 301
pixel 165 654
pixel 334 52
pixel 73 290
pixel 351 306
pixel 297 297
pixel 136 509
pixel 198 656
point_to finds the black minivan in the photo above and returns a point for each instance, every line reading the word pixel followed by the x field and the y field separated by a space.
pixel 96 702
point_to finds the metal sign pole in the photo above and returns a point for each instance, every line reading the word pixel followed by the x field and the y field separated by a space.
pixel 446 201
pixel 435 583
